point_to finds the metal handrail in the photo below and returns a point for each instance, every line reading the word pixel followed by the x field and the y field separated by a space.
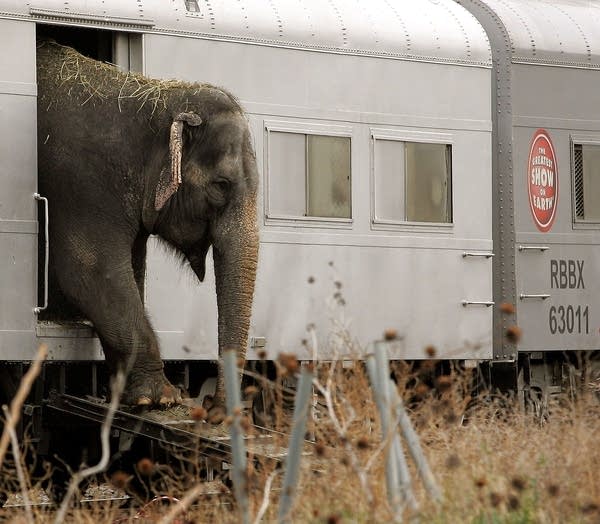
pixel 542 296
pixel 477 254
pixel 486 303
pixel 38 309
pixel 533 248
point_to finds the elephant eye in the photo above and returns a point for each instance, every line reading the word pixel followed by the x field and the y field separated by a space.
pixel 223 185
pixel 218 191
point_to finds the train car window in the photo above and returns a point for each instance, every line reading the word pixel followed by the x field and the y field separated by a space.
pixel 309 175
pixel 586 182
pixel 328 176
pixel 390 180
pixel 287 174
pixel 413 181
pixel 428 182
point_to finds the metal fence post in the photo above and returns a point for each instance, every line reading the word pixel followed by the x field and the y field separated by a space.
pixel 234 411
pixel 415 450
pixel 292 461
pixel 391 473
pixel 404 479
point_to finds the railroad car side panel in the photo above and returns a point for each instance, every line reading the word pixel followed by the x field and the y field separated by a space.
pixel 18 180
pixel 395 273
pixel 557 170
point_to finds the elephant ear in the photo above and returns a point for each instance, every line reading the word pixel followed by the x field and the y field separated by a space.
pixel 171 178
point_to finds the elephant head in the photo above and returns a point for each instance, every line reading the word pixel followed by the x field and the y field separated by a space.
pixel 205 196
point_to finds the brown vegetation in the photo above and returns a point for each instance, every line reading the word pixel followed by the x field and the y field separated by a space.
pixel 494 461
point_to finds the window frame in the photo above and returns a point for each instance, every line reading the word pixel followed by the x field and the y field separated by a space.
pixel 305 128
pixel 422 137
pixel 191 6
pixel 580 140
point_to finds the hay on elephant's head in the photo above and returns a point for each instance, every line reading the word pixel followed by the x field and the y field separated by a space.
pixel 85 79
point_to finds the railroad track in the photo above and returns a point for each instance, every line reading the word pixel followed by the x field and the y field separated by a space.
pixel 174 428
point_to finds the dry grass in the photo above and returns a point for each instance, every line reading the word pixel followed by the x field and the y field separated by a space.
pixel 69 79
pixel 504 466
pixel 494 462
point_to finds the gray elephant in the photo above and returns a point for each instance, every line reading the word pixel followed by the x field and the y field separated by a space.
pixel 122 157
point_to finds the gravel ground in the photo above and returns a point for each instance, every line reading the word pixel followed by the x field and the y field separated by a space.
pixel 94 492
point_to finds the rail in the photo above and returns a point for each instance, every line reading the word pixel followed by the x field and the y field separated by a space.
pixel 538 296
pixel 39 309
pixel 485 254
pixel 167 432
pixel 533 248
pixel 486 303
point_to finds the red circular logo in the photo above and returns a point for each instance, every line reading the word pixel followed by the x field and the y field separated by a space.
pixel 542 180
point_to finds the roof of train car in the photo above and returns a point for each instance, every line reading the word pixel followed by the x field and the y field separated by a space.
pixel 429 30
pixel 556 32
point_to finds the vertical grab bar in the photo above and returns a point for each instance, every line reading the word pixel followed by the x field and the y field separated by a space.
pixel 38 309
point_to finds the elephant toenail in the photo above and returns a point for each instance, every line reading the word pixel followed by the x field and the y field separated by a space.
pixel 144 401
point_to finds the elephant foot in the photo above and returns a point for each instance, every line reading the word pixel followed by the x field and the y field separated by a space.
pixel 150 391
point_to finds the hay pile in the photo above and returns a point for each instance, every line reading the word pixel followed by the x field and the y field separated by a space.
pixel 65 74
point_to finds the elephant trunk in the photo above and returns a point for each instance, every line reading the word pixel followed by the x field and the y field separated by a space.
pixel 235 254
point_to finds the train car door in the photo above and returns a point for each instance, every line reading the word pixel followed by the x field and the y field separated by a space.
pixel 18 184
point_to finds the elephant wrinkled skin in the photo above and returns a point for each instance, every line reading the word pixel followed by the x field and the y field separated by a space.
pixel 122 157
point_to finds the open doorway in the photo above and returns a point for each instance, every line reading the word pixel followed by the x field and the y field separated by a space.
pixel 123 50
pixel 114 47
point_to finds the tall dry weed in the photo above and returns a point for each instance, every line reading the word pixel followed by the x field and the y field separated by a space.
pixel 494 461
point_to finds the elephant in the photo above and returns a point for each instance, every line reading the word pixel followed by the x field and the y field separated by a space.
pixel 122 157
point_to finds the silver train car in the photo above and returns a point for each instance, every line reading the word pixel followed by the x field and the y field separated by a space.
pixel 410 154
pixel 546 176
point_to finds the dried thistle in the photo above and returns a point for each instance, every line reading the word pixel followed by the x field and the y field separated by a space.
pixel 430 351
pixel 507 308
pixel 519 483
pixel 513 502
pixel 251 391
pixel 320 449
pixel 289 362
pixel 216 415
pixel 145 466
pixel 513 334
pixel 363 443
pixel 390 334
pixel 119 479
pixel 496 499
pixel 198 413
pixel 421 389
pixel 480 482
pixel 443 383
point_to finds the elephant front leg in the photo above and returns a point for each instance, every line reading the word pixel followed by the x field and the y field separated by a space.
pixel 139 359
pixel 114 305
